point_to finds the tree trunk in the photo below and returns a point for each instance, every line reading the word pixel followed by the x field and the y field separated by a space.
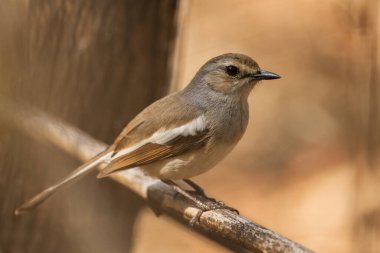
pixel 95 64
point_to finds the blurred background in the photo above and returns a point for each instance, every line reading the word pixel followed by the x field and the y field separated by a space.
pixel 307 167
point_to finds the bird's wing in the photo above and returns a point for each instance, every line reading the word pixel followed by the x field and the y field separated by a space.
pixel 155 134
pixel 151 151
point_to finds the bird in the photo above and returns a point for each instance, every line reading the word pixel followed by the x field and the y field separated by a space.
pixel 183 134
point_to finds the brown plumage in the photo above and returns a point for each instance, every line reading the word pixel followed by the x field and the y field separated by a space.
pixel 184 134
pixel 152 152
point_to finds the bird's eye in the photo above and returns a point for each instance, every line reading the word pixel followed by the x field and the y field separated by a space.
pixel 232 70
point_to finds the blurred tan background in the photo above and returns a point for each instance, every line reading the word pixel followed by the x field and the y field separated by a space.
pixel 301 167
pixel 308 166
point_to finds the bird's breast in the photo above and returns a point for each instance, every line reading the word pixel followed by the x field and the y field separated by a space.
pixel 229 122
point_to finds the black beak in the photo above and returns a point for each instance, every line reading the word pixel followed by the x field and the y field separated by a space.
pixel 264 75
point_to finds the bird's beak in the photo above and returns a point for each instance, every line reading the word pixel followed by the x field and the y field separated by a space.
pixel 264 75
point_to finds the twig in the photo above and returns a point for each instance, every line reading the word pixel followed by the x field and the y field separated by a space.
pixel 223 226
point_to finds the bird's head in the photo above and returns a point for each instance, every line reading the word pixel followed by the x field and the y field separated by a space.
pixel 232 74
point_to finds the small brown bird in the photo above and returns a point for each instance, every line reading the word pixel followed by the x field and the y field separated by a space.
pixel 183 134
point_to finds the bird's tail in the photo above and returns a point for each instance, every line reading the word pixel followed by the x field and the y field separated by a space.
pixel 74 176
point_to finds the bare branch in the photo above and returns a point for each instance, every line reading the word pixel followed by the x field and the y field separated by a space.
pixel 223 226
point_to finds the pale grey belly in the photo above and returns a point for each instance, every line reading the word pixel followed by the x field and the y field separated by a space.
pixel 187 165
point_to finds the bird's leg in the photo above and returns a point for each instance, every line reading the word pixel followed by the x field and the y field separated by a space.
pixel 197 189
pixel 211 203
pixel 202 207
pixel 186 194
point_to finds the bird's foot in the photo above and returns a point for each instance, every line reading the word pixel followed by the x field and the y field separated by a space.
pixel 197 189
pixel 200 199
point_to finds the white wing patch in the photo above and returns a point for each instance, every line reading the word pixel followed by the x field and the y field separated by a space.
pixel 163 136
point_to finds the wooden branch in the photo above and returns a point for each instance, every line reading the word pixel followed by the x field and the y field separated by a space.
pixel 223 226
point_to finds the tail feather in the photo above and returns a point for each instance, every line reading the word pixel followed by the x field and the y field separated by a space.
pixel 74 176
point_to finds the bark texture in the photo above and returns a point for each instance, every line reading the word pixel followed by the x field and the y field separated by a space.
pixel 95 64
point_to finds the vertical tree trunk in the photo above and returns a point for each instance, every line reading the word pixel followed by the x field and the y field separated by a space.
pixel 367 201
pixel 363 111
pixel 95 64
